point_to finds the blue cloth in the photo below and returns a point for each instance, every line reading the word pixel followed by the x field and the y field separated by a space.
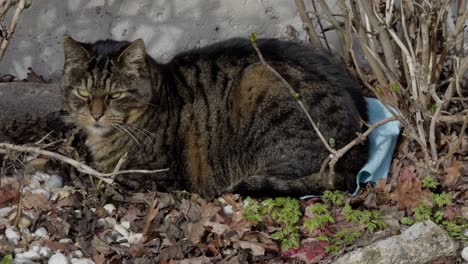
pixel 381 142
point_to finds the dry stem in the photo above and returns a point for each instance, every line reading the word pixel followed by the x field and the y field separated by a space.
pixel 105 177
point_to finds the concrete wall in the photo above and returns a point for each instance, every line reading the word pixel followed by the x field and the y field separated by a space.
pixel 167 26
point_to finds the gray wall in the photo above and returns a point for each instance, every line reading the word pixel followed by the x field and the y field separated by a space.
pixel 167 26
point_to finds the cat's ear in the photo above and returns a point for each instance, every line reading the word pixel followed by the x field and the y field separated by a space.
pixel 134 56
pixel 75 53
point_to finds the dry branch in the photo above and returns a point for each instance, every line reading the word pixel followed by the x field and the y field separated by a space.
pixel 105 177
pixel 22 4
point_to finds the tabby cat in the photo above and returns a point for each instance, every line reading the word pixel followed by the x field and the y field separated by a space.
pixel 215 116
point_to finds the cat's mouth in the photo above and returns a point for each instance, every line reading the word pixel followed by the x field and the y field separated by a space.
pixel 99 129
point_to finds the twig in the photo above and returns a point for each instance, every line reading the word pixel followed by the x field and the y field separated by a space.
pixel 459 142
pixel 295 95
pixel 105 177
pixel 319 22
pixel 308 26
pixel 23 4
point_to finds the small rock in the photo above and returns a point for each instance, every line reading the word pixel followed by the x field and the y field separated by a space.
pixel 110 208
pixel 40 176
pixel 122 230
pixel 228 209
pixel 43 192
pixel 58 258
pixel 101 222
pixel 54 181
pixel 41 232
pixel 66 241
pixel 78 254
pixel 23 261
pixel 135 238
pixel 464 254
pixel 111 221
pixel 31 255
pixel 36 248
pixel 122 240
pixel 12 235
pixel 82 261
pixel 24 221
pixel 5 211
pixel 18 250
pixel 45 252
pixel 125 224
pixel 34 183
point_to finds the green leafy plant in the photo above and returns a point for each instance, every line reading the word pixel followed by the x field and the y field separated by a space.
pixel 8 259
pixel 372 220
pixel 321 217
pixel 430 182
pixel 336 197
pixel 406 220
pixel 442 199
pixel 422 212
pixel 285 213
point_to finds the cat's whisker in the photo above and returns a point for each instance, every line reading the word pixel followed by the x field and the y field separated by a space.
pixel 146 139
pixel 143 130
pixel 129 133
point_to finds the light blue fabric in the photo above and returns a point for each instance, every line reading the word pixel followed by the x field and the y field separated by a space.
pixel 381 142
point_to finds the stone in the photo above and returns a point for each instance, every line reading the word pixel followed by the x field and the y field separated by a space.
pixel 464 254
pixel 122 230
pixel 421 243
pixel 58 258
pixel 5 211
pixel 54 181
pixel 110 208
pixel 12 235
pixel 41 232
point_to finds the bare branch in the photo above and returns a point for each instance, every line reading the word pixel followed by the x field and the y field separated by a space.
pixel 105 177
pixel 308 26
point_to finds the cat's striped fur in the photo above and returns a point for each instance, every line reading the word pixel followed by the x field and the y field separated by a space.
pixel 217 118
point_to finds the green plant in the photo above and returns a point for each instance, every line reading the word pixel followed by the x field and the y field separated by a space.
pixel 430 182
pixel 321 217
pixel 8 259
pixel 350 214
pixel 406 220
pixel 336 197
pixel 372 220
pixel 455 228
pixel 422 212
pixel 285 213
pixel 442 199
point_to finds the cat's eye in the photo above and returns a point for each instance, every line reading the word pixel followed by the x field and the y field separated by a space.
pixel 116 95
pixel 83 93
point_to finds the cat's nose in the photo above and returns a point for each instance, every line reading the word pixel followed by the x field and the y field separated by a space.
pixel 97 116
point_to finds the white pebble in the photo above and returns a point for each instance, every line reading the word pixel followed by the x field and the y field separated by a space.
pixel 18 250
pixel 66 241
pixel 58 258
pixel 41 232
pixel 111 221
pixel 12 235
pixel 40 176
pixel 5 211
pixel 23 261
pixel 78 253
pixel 122 230
pixel 34 183
pixel 125 224
pixel 55 181
pixel 36 248
pixel 31 255
pixel 228 209
pixel 101 222
pixel 110 208
pixel 135 238
pixel 464 254
pixel 45 252
pixel 43 192
pixel 122 240
pixel 82 261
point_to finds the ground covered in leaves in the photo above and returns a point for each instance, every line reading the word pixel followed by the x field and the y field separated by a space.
pixel 48 210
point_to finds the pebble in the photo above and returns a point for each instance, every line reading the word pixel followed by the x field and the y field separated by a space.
pixel 228 209
pixel 5 211
pixel 111 221
pixel 101 222
pixel 41 232
pixel 40 176
pixel 82 261
pixel 12 235
pixel 110 208
pixel 43 192
pixel 122 230
pixel 114 236
pixel 125 224
pixel 66 241
pixel 34 183
pixel 36 248
pixel 135 238
pixel 54 181
pixel 464 254
pixel 45 252
pixel 24 221
pixel 23 261
pixel 78 253
pixel 58 258
pixel 31 255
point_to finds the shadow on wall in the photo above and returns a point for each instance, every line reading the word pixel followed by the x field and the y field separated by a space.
pixel 167 26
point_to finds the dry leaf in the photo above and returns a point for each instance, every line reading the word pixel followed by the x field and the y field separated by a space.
pixel 256 248
pixel 453 173
pixel 409 191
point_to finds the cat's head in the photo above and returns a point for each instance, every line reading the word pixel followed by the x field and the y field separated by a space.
pixel 106 85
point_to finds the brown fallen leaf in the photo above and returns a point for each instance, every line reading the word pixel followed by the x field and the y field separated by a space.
pixel 7 196
pixel 256 248
pixel 409 191
pixel 37 201
pixel 453 173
